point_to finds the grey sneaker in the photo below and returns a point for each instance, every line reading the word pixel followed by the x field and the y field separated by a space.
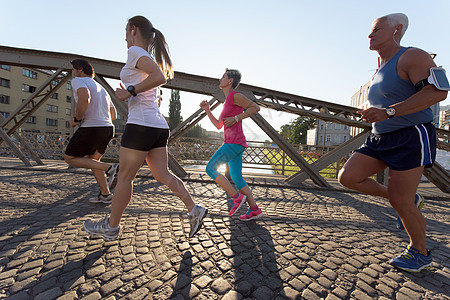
pixel 102 199
pixel 101 228
pixel 112 176
pixel 197 214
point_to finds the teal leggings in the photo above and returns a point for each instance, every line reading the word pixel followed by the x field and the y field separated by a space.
pixel 231 154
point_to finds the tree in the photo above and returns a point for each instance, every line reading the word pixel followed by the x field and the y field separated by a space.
pixel 175 117
pixel 295 132
pixel 196 131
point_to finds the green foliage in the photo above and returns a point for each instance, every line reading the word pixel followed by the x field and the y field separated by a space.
pixel 175 117
pixel 295 132
pixel 196 131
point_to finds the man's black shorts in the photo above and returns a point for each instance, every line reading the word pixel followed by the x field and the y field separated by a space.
pixel 403 149
pixel 87 140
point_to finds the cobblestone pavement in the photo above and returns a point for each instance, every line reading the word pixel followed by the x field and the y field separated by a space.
pixel 311 244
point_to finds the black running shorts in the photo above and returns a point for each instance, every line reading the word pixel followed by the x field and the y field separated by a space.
pixel 87 140
pixel 144 138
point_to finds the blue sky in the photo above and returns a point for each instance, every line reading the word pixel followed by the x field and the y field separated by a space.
pixel 317 49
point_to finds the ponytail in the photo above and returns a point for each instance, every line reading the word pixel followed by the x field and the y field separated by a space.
pixel 157 44
pixel 160 49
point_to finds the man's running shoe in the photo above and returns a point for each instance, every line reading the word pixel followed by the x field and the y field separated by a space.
pixel 236 203
pixel 196 217
pixel 101 228
pixel 418 201
pixel 251 215
pixel 102 199
pixel 112 175
pixel 412 260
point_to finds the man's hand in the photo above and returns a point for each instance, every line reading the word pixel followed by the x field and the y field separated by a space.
pixel 72 123
pixel 373 114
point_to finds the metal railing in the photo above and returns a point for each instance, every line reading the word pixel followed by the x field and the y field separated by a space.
pixel 258 158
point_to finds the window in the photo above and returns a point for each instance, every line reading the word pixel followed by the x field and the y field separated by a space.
pixel 55 96
pixel 68 111
pixel 5 114
pixel 337 139
pixel 69 86
pixel 328 138
pixel 52 108
pixel 51 122
pixel 320 138
pixel 4 99
pixel 345 138
pixel 55 82
pixel 28 88
pixel 67 124
pixel 337 126
pixel 31 120
pixel 329 125
pixel 4 82
pixel 29 73
pixel 6 67
pixel 68 99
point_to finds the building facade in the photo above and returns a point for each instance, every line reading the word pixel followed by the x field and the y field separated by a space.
pixel 17 84
pixel 444 119
pixel 328 134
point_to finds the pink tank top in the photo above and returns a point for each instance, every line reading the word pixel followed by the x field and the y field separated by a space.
pixel 233 134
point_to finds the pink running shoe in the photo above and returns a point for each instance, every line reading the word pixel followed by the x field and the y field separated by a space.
pixel 251 215
pixel 236 204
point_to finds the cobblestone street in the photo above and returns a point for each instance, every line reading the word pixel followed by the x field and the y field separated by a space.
pixel 311 244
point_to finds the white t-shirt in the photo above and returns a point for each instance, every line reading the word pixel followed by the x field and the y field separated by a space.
pixel 98 111
pixel 143 108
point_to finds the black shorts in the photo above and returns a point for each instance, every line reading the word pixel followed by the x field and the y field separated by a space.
pixel 144 138
pixel 403 149
pixel 88 140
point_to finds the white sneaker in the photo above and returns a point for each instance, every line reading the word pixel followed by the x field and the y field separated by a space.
pixel 196 217
pixel 112 176
pixel 102 199
pixel 101 228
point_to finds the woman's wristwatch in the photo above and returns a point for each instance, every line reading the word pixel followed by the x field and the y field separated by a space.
pixel 236 118
pixel 131 90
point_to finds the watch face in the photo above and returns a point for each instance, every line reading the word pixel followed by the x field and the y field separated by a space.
pixel 390 112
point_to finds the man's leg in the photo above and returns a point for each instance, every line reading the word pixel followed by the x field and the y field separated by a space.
pixel 86 163
pixel 100 174
pixel 356 172
pixel 402 188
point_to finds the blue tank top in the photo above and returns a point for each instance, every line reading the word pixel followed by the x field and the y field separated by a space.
pixel 387 88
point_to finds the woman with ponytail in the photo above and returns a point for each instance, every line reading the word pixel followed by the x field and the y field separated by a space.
pixel 146 133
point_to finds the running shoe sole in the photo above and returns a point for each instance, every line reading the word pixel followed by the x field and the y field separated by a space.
pixel 200 223
pixel 253 218
pixel 240 205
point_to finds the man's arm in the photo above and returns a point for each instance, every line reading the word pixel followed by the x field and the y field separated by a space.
pixel 414 66
pixel 84 97
pixel 113 112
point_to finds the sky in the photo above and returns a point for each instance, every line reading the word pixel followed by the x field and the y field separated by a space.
pixel 316 49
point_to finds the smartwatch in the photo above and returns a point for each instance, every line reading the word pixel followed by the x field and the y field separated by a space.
pixel 75 120
pixel 390 112
pixel 130 90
